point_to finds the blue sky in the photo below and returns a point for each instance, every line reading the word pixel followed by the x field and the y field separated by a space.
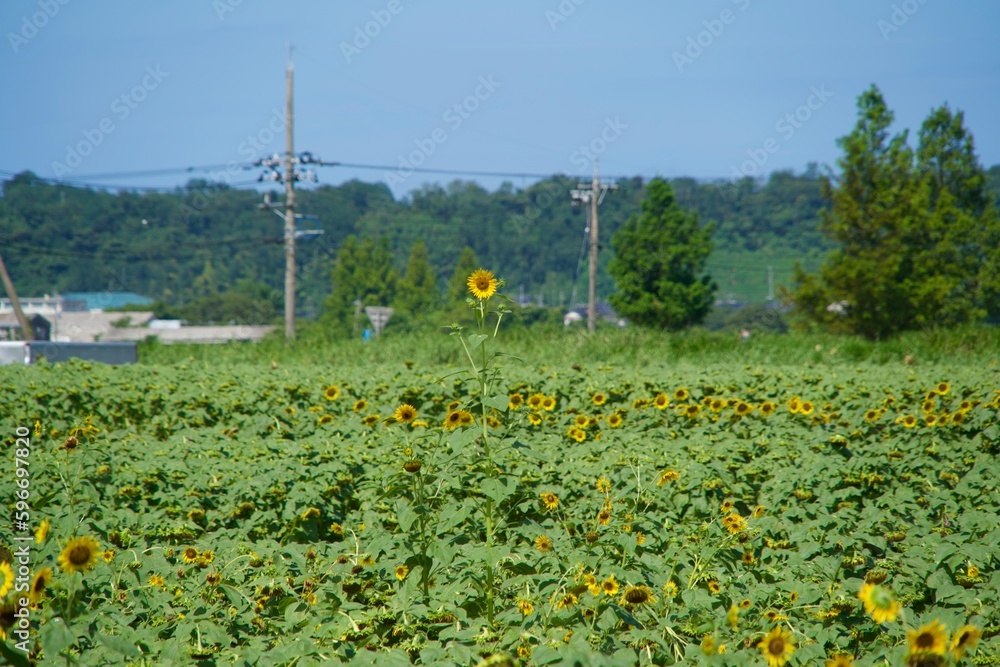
pixel 708 89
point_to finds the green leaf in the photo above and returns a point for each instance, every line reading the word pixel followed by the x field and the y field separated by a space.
pixel 405 515
pixel 119 645
pixel 475 340
pixel 499 402
pixel 498 488
pixel 13 656
pixel 56 636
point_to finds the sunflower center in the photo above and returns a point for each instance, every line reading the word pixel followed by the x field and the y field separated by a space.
pixel 776 646
pixel 79 555
pixel 925 640
pixel 963 638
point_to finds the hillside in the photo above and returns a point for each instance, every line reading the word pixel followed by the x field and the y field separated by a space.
pixel 207 238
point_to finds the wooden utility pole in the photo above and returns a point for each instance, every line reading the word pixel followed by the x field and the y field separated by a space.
pixel 289 207
pixel 22 320
pixel 592 290
pixel 592 194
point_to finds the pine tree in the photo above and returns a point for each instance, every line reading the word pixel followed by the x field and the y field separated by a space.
pixel 659 263
pixel 917 233
pixel 364 273
pixel 457 288
pixel 418 291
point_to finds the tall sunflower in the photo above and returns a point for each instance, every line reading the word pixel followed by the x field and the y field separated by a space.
pixel 79 555
pixel 41 581
pixel 777 647
pixel 879 603
pixel 965 639
pixel 482 284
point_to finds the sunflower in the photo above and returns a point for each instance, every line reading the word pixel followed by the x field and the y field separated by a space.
pixel 879 603
pixel 640 404
pixel 525 606
pixel 577 434
pixel 604 516
pixel 38 585
pixel 331 393
pixel 745 604
pixel 599 399
pixel 405 413
pixel 412 466
pixel 370 421
pixel 637 595
pixel 402 571
pixel 213 578
pixel 713 587
pixel 453 420
pixel 324 420
pixel 767 408
pixel 759 511
pixel 734 523
pixel 748 558
pixel 872 416
pixel 777 647
pixel 482 284
pixel 943 388
pixel 566 601
pixel 794 404
pixel 42 531
pixel 610 586
pixel 207 556
pixel 727 505
pixel 360 405
pixel 930 420
pixel 534 419
pixel 670 589
pixel 79 555
pixel 603 484
pixel 108 555
pixel 965 639
pixel 581 421
pixel 156 581
pixel 927 406
pixel 681 394
pixel 535 401
pixel 733 616
pixel 931 638
pixel 668 476
pixel 8 579
pixel 806 407
pixel 311 513
pixel 909 421
pixel 743 408
pixel 615 420
pixel 550 500
pixel 549 403
pixel 661 401
pixel 692 411
pixel 515 401
pixel 190 555
pixel 840 660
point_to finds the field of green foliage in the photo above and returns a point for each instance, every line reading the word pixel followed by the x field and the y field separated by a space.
pixel 408 512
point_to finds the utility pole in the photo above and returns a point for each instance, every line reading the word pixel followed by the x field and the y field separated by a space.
pixel 594 195
pixel 289 207
pixel 22 320
pixel 284 170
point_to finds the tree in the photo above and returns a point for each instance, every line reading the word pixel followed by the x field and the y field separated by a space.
pixel 659 260
pixel 364 273
pixel 457 288
pixel 418 291
pixel 916 233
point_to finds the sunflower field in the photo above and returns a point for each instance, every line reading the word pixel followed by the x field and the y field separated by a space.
pixel 508 513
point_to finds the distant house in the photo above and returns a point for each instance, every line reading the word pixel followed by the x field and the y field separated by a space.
pixel 604 312
pixel 10 328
